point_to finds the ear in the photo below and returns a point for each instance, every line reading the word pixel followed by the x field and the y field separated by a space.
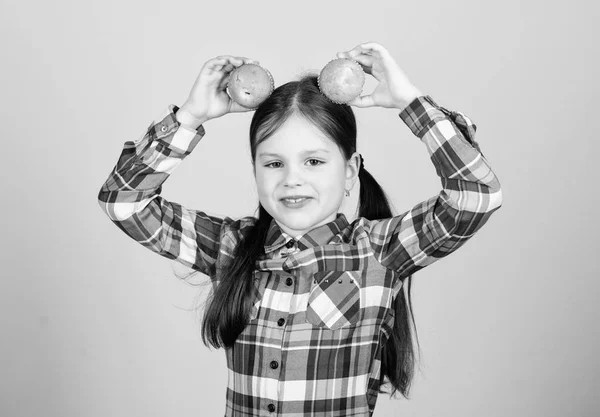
pixel 352 168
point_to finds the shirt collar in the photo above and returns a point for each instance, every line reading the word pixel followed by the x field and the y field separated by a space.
pixel 321 235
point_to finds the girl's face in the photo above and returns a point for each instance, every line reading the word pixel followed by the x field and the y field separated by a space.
pixel 300 162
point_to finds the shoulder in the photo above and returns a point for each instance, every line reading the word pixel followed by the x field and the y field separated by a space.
pixel 378 228
pixel 241 223
pixel 362 227
pixel 374 237
pixel 355 233
pixel 234 230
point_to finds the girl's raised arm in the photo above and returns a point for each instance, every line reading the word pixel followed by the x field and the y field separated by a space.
pixel 130 196
pixel 470 192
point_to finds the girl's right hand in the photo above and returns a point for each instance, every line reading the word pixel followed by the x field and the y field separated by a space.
pixel 208 98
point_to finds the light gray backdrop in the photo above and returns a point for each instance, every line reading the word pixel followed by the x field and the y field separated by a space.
pixel 93 324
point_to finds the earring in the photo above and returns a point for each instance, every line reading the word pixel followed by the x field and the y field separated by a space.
pixel 347 193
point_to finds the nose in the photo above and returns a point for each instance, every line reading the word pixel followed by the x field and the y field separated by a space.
pixel 293 177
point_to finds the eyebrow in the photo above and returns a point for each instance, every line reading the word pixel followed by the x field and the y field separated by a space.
pixel 312 151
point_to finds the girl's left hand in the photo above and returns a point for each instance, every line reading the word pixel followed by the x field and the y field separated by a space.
pixel 394 89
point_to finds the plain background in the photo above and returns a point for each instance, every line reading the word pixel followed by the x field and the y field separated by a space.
pixel 93 324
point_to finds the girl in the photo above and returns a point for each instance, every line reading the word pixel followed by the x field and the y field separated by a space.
pixel 310 308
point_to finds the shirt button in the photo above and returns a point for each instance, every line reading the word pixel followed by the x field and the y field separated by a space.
pixel 271 407
pixel 289 281
pixel 163 128
pixel 281 322
pixel 290 244
pixel 274 364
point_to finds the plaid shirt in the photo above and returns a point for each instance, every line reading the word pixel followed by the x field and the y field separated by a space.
pixel 323 308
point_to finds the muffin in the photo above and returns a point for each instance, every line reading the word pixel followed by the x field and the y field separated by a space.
pixel 341 80
pixel 249 85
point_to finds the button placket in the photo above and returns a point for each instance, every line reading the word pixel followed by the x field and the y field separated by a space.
pixel 289 248
pixel 260 282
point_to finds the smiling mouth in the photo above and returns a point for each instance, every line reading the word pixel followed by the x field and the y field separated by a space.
pixel 295 200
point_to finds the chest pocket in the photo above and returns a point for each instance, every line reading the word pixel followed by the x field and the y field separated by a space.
pixel 335 299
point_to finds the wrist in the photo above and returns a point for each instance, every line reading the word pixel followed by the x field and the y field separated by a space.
pixel 185 117
pixel 408 98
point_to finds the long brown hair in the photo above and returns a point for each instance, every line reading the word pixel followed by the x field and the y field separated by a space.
pixel 228 310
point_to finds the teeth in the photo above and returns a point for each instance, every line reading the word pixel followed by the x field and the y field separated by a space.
pixel 294 200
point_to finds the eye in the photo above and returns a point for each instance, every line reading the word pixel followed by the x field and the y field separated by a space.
pixel 315 162
pixel 269 165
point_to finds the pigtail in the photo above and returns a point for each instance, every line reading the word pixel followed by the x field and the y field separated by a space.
pixel 397 355
pixel 228 310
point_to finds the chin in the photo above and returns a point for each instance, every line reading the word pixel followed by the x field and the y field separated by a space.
pixel 303 221
pixel 295 222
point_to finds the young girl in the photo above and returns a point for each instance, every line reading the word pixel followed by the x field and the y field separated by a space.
pixel 311 309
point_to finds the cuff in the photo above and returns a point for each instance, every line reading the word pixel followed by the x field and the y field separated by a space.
pixel 421 114
pixel 179 138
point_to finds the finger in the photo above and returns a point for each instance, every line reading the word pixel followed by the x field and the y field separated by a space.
pixel 349 52
pixel 215 63
pixel 374 46
pixel 365 62
pixel 223 84
pixel 370 49
pixel 357 50
pixel 226 69
pixel 246 60
pixel 238 108
pixel 362 101
pixel 230 59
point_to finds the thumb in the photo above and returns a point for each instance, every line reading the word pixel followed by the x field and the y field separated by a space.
pixel 362 101
pixel 238 108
